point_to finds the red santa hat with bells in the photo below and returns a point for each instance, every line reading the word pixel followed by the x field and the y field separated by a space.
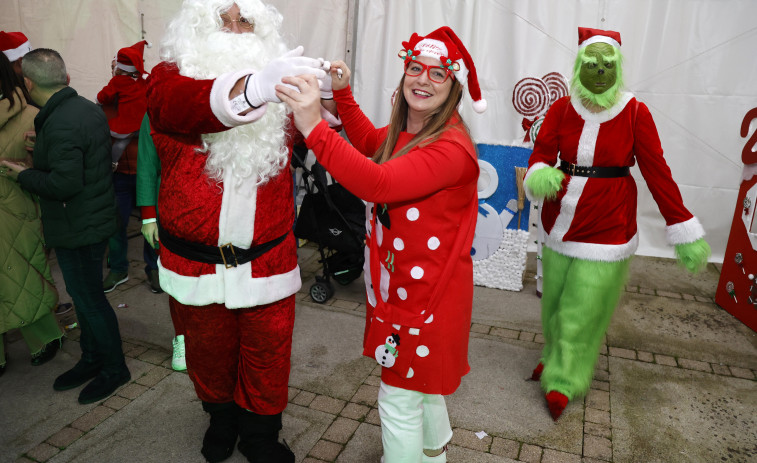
pixel 131 59
pixel 444 45
pixel 587 36
pixel 14 44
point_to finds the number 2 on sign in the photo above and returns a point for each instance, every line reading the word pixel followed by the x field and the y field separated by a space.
pixel 748 154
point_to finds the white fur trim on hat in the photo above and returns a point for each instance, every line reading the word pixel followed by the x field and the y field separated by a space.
pixel 18 52
pixel 126 67
pixel 599 39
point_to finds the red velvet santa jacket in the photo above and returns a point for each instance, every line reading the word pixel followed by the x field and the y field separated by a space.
pixel 198 209
pixel 131 97
pixel 419 272
pixel 595 218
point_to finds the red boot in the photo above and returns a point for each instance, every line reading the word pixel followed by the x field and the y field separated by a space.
pixel 556 402
pixel 536 375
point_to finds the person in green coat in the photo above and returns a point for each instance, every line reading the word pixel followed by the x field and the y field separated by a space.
pixel 28 294
pixel 71 176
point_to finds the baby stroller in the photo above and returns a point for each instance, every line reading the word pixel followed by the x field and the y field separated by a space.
pixel 333 218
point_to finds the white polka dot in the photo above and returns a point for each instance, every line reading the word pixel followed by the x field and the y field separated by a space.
pixel 433 243
pixel 421 351
pixel 413 214
pixel 399 244
pixel 396 327
pixel 414 331
pixel 410 373
pixel 429 319
pixel 402 293
pixel 416 273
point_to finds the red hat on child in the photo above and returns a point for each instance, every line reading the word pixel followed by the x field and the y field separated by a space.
pixel 443 44
pixel 131 59
pixel 14 44
pixel 587 36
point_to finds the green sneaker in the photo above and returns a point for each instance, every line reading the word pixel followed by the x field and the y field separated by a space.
pixel 178 361
pixel 114 279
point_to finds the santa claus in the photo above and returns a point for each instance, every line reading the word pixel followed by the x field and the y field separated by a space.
pixel 228 257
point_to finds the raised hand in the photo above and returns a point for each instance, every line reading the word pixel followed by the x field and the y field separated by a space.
pixel 303 95
pixel 260 87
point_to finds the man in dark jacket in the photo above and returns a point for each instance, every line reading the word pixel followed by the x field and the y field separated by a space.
pixel 71 176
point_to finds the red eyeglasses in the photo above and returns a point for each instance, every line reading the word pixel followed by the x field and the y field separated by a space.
pixel 437 74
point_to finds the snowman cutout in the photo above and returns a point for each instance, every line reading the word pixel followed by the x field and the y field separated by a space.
pixel 387 353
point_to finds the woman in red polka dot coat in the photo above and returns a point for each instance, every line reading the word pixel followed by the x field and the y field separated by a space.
pixel 419 177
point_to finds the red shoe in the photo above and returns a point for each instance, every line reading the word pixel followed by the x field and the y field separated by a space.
pixel 556 402
pixel 536 375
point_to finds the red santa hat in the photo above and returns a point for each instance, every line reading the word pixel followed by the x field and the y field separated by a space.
pixel 444 45
pixel 14 44
pixel 587 36
pixel 131 59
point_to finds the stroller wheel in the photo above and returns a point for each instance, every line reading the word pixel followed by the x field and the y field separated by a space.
pixel 321 292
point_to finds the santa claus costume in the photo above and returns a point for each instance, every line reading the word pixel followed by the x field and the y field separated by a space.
pixel 127 89
pixel 589 216
pixel 228 257
pixel 421 219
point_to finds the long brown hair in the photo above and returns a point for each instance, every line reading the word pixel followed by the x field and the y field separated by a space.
pixel 10 83
pixel 436 125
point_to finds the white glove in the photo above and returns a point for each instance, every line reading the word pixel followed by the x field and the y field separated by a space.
pixel 325 83
pixel 260 86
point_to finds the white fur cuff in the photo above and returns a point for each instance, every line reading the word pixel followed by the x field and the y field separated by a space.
pixel 684 232
pixel 221 106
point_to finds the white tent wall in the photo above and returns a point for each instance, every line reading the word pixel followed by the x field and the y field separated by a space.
pixel 688 60
pixel 88 33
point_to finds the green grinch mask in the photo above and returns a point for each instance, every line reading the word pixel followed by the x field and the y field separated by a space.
pixel 597 75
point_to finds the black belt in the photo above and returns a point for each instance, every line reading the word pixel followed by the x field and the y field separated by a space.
pixel 226 254
pixel 594 171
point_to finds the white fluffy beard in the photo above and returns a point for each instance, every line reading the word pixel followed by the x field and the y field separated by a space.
pixel 255 151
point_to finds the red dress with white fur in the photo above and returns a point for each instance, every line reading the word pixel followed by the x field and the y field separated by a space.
pixel 198 209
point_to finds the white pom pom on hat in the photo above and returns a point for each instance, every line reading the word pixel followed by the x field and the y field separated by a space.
pixel 443 44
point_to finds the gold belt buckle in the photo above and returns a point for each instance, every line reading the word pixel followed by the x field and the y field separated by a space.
pixel 573 169
pixel 231 248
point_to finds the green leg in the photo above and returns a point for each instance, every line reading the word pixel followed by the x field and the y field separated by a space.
pixel 555 268
pixel 578 320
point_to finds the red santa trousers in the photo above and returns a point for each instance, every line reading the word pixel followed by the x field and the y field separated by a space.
pixel 240 355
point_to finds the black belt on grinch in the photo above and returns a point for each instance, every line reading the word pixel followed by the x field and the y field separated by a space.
pixel 594 171
pixel 226 254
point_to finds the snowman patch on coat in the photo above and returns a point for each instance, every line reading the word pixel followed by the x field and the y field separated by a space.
pixel 387 353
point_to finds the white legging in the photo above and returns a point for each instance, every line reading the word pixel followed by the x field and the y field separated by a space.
pixel 410 422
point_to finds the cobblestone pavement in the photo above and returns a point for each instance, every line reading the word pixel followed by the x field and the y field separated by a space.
pixel 683 390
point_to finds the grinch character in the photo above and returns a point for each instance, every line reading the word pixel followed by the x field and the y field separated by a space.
pixel 589 214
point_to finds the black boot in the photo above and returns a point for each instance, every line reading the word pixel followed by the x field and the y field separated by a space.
pixel 219 440
pixel 259 438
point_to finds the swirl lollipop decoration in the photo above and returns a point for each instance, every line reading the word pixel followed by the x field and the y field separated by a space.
pixel 557 85
pixel 532 97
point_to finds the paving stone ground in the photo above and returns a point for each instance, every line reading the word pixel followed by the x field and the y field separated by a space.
pixel 676 381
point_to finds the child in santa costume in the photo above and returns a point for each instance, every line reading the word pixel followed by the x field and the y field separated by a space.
pixel 128 89
pixel 593 137
pixel 228 257
pixel 419 175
